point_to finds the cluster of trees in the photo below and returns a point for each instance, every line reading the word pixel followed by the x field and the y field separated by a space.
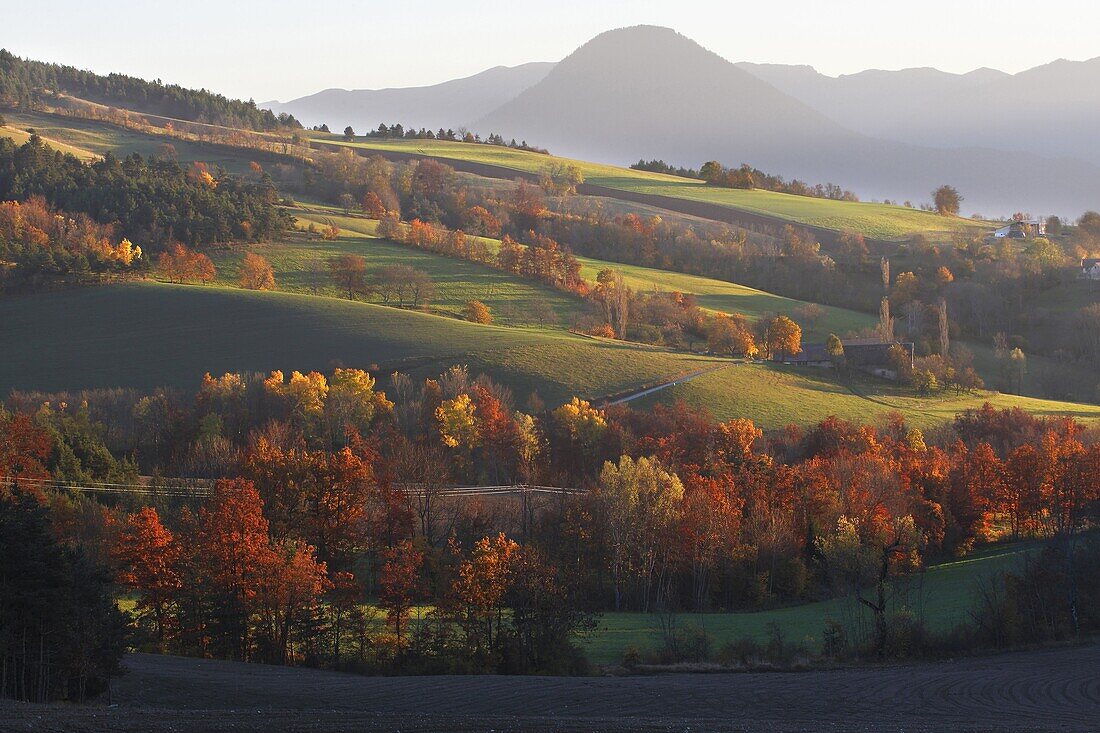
pixel 398 131
pixel 23 82
pixel 660 166
pixel 328 494
pixel 150 202
pixel 45 244
pixel 745 176
pixel 180 264
pixel 449 219
pixel 677 511
pixel 399 285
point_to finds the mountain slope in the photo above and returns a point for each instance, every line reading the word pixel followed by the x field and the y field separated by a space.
pixel 1051 110
pixel 621 91
pixel 650 92
pixel 450 104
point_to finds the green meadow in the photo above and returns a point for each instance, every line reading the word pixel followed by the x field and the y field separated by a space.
pixel 880 221
pixel 150 334
pixel 20 135
pixel 942 597
pixel 774 395
pixel 89 138
pixel 715 295
pixel 300 266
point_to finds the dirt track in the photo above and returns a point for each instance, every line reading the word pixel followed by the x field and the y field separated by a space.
pixel 1052 690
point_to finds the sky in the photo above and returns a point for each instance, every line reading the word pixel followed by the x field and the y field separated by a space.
pixel 282 50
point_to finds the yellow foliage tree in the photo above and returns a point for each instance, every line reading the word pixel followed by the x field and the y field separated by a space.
pixel 457 426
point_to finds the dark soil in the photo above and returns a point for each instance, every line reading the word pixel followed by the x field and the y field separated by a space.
pixel 1048 690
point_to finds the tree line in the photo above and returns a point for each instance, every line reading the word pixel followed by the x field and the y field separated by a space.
pixel 66 217
pixel 334 491
pixel 397 131
pixel 23 82
pixel 747 177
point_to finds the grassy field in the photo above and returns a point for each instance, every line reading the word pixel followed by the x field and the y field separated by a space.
pixel 91 138
pixel 151 334
pixel 20 136
pixel 300 267
pixel 880 221
pixel 715 295
pixel 726 297
pixel 942 596
pixel 776 395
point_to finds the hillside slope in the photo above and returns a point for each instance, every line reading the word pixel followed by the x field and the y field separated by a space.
pixel 153 334
pixel 649 92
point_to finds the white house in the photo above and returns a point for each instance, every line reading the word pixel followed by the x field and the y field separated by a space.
pixel 1022 229
pixel 1090 268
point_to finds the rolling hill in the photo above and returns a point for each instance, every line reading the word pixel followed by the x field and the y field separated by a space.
pixel 149 334
pixel 776 395
pixel 500 289
pixel 826 217
pixel 154 334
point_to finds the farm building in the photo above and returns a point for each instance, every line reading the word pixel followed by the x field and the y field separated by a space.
pixel 1090 268
pixel 871 355
pixel 1022 229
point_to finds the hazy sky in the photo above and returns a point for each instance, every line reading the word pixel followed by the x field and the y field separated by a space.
pixel 281 50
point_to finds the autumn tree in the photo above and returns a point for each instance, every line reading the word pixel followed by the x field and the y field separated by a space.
pixel 458 428
pixel 399 586
pixel 477 594
pixel 349 273
pixel 640 503
pixel 25 450
pixel 730 334
pixel 288 598
pixel 947 200
pixel 180 264
pixel 225 564
pixel 615 296
pixel 709 529
pixel 148 558
pixel 352 403
pixel 372 205
pixel 782 337
pixel 834 347
pixel 477 312
pixel 561 179
pixel 256 273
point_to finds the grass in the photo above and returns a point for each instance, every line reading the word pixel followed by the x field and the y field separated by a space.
pixel 727 297
pixel 300 267
pixel 715 295
pixel 91 138
pixel 941 596
pixel 20 136
pixel 879 221
pixel 150 334
pixel 775 395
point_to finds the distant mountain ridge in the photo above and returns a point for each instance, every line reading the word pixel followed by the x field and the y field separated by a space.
pixel 1051 110
pixel 1009 142
pixel 450 104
